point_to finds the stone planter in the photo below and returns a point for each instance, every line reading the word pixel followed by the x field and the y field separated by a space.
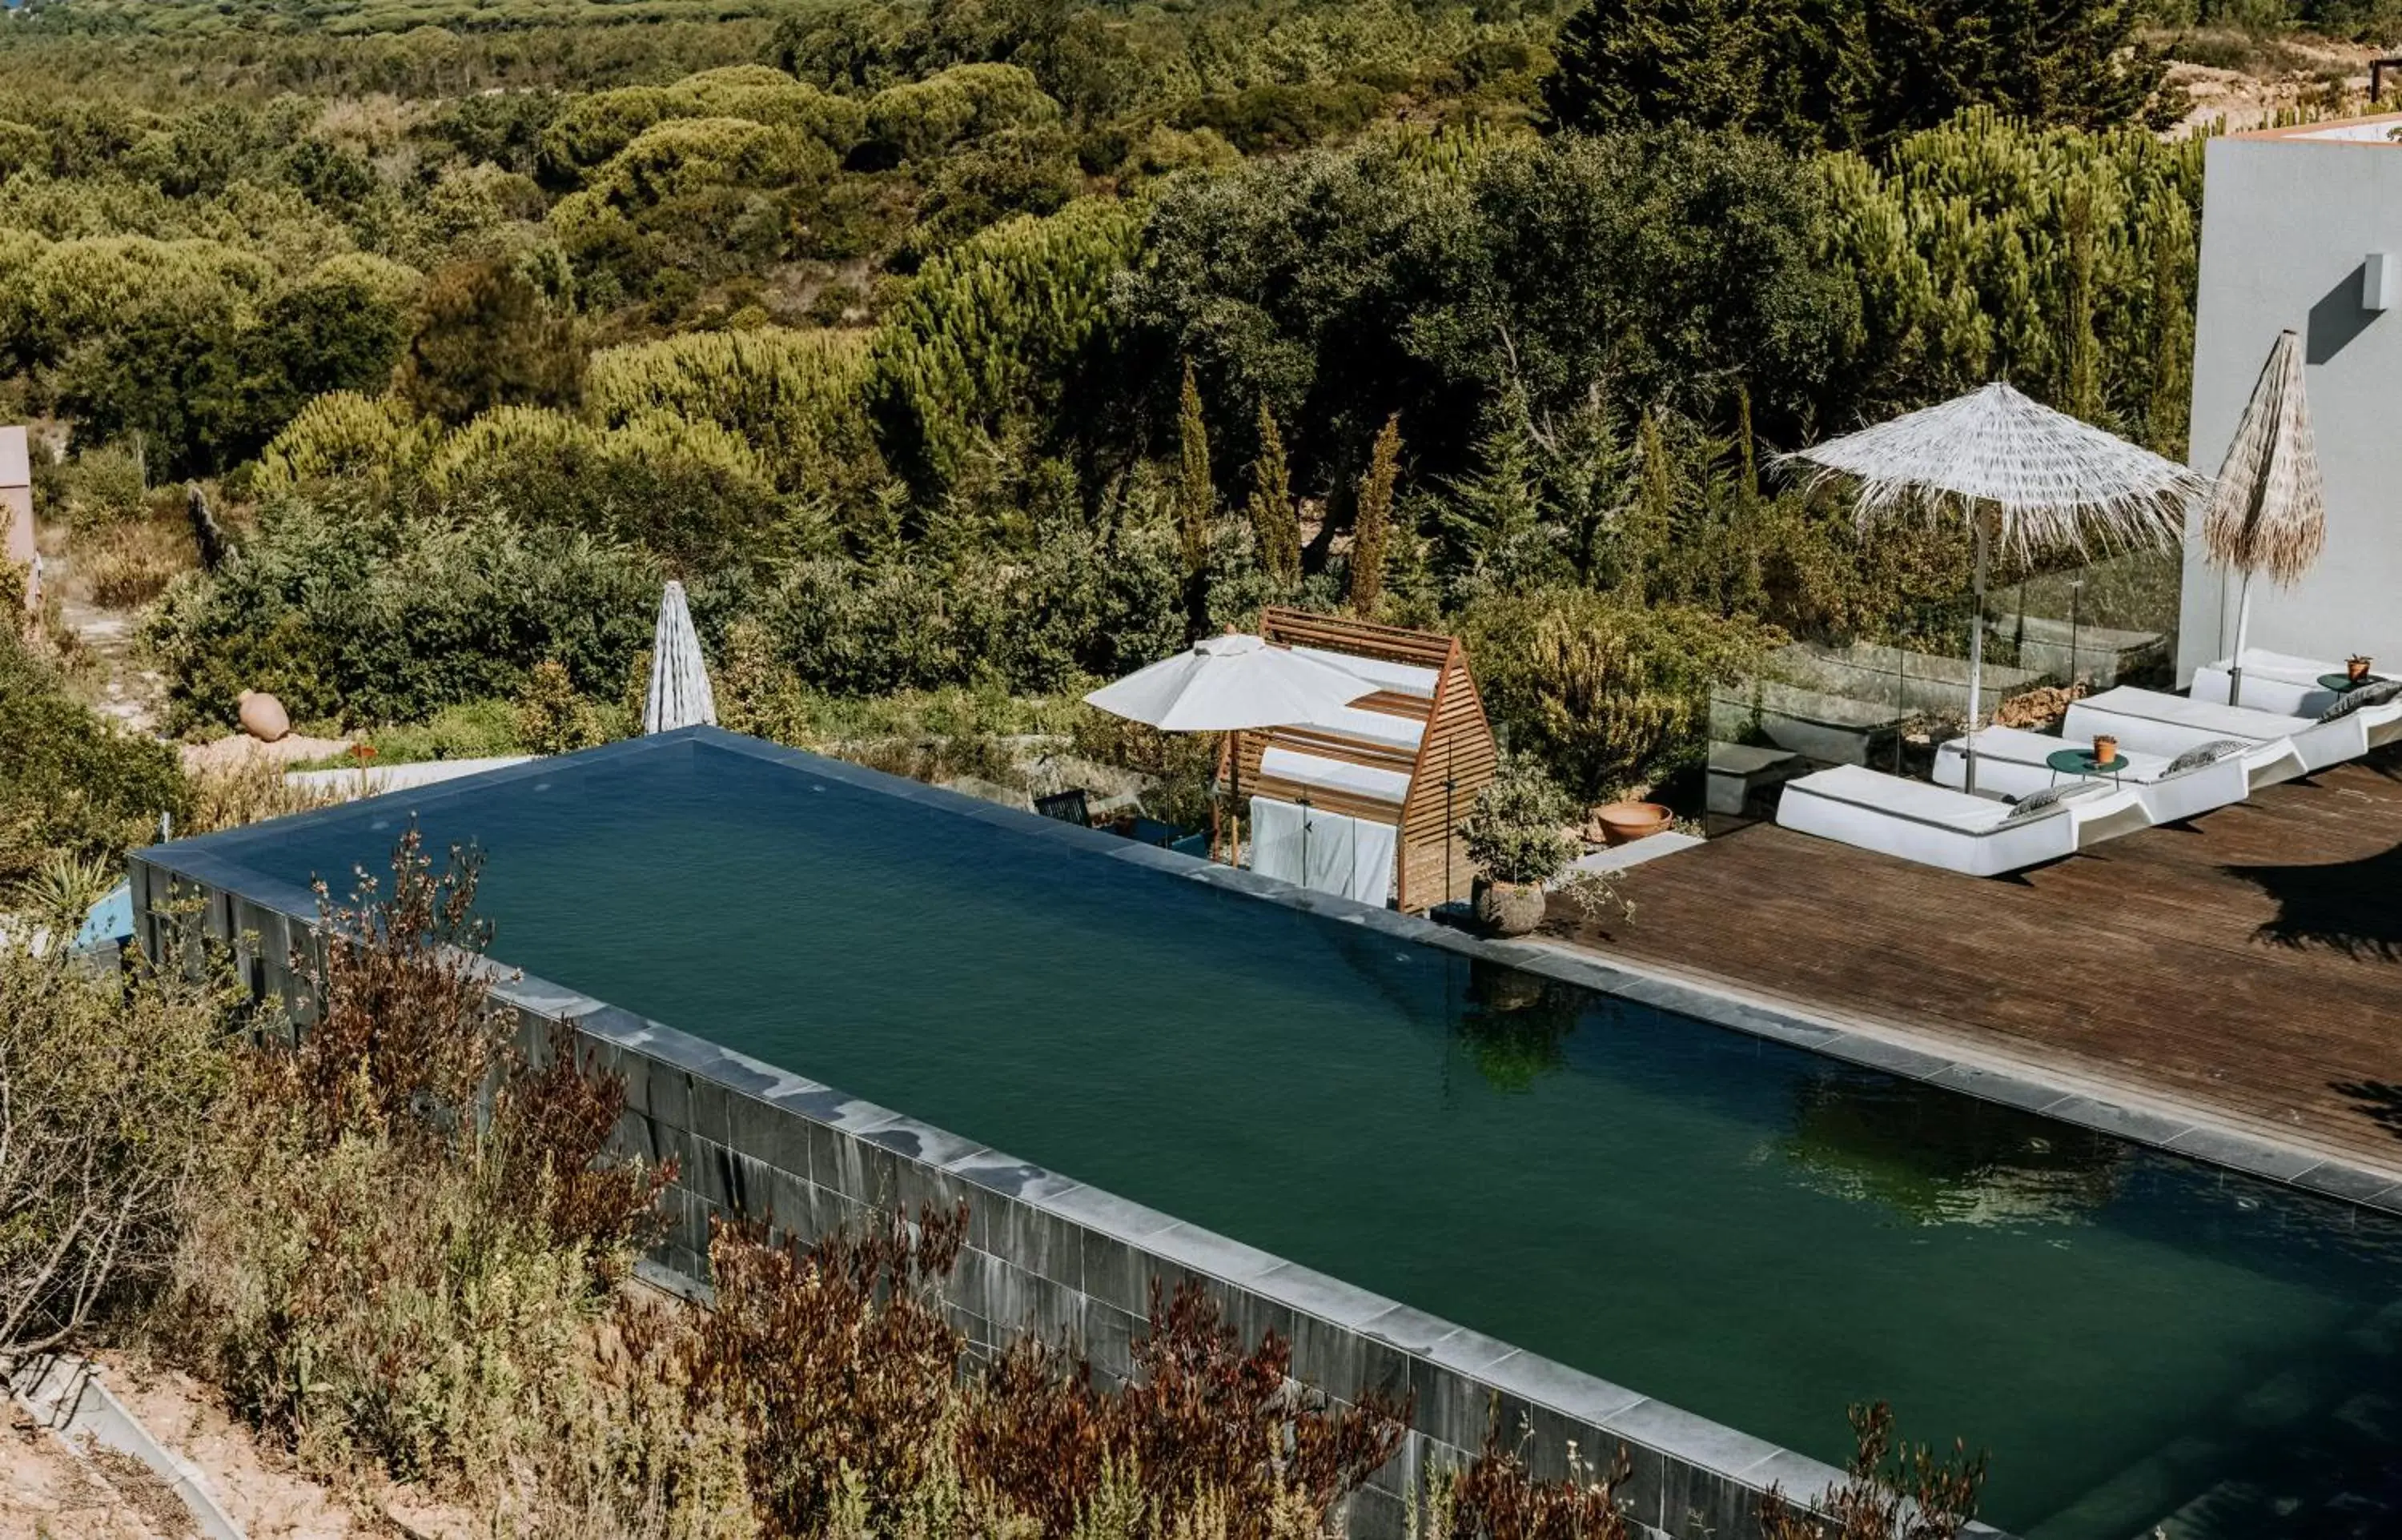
pixel 1624 823
pixel 1509 908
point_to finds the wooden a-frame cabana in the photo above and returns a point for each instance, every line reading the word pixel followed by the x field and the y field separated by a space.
pixel 1413 755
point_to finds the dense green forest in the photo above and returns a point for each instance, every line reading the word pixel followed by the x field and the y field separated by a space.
pixel 994 346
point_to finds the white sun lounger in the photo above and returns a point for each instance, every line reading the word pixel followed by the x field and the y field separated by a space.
pixel 2280 681
pixel 1934 825
pixel 2012 761
pixel 2282 747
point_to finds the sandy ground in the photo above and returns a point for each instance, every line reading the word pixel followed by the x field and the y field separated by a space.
pixel 47 1489
pixel 234 749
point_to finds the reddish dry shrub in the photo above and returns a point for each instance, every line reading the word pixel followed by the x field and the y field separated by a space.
pixel 841 1368
pixel 1888 1493
pixel 407 1044
pixel 835 1360
pixel 1497 1498
pixel 404 1038
pixel 1201 1414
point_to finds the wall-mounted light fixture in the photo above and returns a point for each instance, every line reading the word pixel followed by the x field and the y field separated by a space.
pixel 2379 275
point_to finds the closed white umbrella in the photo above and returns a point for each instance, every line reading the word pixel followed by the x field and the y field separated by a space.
pixel 1229 683
pixel 678 696
pixel 2021 474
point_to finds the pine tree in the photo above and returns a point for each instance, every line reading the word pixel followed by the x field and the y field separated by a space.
pixel 1495 528
pixel 2080 384
pixel 1274 518
pixel 1373 521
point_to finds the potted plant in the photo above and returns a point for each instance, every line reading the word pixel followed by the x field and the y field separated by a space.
pixel 1516 837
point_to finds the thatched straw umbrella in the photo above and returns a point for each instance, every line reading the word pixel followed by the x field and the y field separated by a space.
pixel 2268 511
pixel 2023 476
pixel 680 696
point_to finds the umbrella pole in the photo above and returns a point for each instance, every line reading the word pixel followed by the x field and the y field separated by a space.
pixel 1976 657
pixel 2242 625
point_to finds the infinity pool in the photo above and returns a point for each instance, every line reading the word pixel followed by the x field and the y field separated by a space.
pixel 1749 1231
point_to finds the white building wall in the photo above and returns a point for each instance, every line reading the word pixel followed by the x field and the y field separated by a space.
pixel 2287 224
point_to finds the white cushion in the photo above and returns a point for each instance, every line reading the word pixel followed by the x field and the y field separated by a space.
pixel 1402 678
pixel 1377 727
pixel 1910 799
pixel 1336 774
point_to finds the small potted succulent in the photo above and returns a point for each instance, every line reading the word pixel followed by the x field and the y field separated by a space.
pixel 2356 666
pixel 1516 835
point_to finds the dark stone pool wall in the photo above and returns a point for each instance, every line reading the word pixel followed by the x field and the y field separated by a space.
pixel 1044 1253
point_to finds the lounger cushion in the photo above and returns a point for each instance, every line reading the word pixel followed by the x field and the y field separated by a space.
pixel 2378 694
pixel 2234 722
pixel 1910 799
pixel 2204 754
pixel 2037 803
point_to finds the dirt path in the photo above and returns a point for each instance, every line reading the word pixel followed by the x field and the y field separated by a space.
pixel 122 686
pixel 47 1489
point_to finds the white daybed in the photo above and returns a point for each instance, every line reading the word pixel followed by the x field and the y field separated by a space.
pixel 1936 826
pixel 2280 681
pixel 2282 747
pixel 2012 761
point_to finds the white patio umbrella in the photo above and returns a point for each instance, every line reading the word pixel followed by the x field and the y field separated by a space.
pixel 679 694
pixel 2022 475
pixel 1229 683
pixel 2268 509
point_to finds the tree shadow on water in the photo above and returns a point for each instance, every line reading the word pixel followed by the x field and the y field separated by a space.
pixel 2348 907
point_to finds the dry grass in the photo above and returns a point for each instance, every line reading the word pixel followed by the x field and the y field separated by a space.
pixel 252 790
pixel 126 566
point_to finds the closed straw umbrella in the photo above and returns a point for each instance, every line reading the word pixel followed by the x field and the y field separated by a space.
pixel 2267 514
pixel 2023 476
pixel 678 696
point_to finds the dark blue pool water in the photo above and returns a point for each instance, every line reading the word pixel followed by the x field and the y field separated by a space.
pixel 1744 1230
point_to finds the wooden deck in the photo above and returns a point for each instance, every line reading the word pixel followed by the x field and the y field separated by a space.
pixel 2247 966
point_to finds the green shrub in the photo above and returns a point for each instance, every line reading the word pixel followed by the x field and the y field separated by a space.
pixel 355 611
pixel 72 780
pixel 112 1088
pixel 1606 690
pixel 966 101
pixel 794 397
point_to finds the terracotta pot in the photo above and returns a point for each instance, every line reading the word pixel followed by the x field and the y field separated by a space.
pixel 1623 822
pixel 1509 908
pixel 263 715
pixel 2106 748
pixel 2358 668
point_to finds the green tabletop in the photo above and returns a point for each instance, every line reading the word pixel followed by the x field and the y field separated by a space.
pixel 2343 684
pixel 2080 762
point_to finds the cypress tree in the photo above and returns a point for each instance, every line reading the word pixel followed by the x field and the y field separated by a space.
pixel 1373 524
pixel 1274 518
pixel 2171 397
pixel 1196 501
